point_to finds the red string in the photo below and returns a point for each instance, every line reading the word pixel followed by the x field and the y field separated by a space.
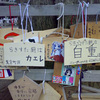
pixel 1 44
pixel 72 19
pixel 11 34
pixel 3 73
pixel 12 22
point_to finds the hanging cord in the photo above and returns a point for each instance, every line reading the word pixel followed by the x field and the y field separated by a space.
pixel 82 7
pixel 79 89
pixel 30 20
pixel 84 36
pixel 25 71
pixel 72 19
pixel 61 16
pixel 12 20
pixel 22 19
pixel 43 83
pixel 86 6
pixel 26 19
pixel 79 84
pixel 97 17
pixel 64 93
pixel 78 17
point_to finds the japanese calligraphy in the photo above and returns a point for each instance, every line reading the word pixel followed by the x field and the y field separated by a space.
pixel 82 51
pixel 77 52
pixel 28 54
pixel 92 51
pixel 25 89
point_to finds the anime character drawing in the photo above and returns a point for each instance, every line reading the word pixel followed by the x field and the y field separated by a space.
pixel 67 75
pixel 68 72
pixel 57 51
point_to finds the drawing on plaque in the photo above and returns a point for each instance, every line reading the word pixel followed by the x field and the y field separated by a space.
pixel 78 71
pixel 57 51
pixel 68 75
pixel 34 39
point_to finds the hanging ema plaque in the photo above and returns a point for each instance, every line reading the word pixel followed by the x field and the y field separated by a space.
pixel 25 89
pixel 20 54
pixel 82 51
pixel 1 56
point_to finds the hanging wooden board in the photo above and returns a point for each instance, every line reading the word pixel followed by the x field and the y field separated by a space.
pixel 8 32
pixel 54 48
pixel 41 34
pixel 58 88
pixel 50 93
pixel 1 56
pixel 66 75
pixel 93 30
pixel 30 35
pixel 28 54
pixel 82 51
pixel 25 89
pixel 2 41
pixel 78 32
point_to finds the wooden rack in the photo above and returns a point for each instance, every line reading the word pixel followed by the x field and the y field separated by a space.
pixel 48 10
pixel 51 10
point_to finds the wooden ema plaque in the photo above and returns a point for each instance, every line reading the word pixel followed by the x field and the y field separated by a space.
pixel 93 30
pixel 1 56
pixel 30 35
pixel 20 54
pixel 58 88
pixel 82 51
pixel 41 34
pixel 54 48
pixel 2 41
pixel 50 93
pixel 25 89
pixel 66 75
pixel 78 33
pixel 8 32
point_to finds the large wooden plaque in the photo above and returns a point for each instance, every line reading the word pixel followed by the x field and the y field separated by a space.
pixel 28 54
pixel 82 51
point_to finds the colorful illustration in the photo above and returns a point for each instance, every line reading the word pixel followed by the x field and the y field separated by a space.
pixel 57 51
pixel 78 70
pixel 68 75
pixel 57 79
pixel 4 73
